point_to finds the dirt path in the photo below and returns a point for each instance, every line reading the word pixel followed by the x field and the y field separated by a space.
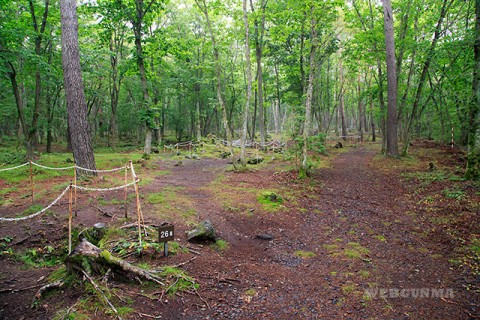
pixel 352 221
pixel 348 229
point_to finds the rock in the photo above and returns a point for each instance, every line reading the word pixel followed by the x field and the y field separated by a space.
pixel 264 236
pixel 202 233
pixel 338 145
pixel 256 160
pixel 192 156
pixel 179 163
pixel 225 155
pixel 93 234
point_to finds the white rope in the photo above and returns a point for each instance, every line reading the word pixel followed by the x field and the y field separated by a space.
pixel 80 168
pixel 98 170
pixel 52 168
pixel 39 212
pixel 13 168
pixel 106 189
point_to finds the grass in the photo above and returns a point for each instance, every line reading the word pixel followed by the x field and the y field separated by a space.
pixel 220 245
pixel 181 281
pixel 304 254
pixel 250 292
pixel 355 251
pixel 40 257
pixel 270 201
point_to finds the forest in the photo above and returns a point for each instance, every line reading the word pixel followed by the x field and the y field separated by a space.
pixel 167 71
pixel 334 145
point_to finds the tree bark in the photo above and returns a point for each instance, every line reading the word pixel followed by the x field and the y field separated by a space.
pixel 308 101
pixel 341 103
pixel 258 34
pixel 392 139
pixel 75 98
pixel 473 157
pixel 249 86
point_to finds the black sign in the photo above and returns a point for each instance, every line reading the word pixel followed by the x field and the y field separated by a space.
pixel 166 233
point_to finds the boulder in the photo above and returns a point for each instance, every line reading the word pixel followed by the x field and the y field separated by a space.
pixel 202 233
pixel 256 160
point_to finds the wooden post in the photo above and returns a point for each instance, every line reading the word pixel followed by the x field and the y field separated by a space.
pixel 70 220
pixel 75 184
pixel 125 192
pixel 453 141
pixel 31 180
pixel 134 177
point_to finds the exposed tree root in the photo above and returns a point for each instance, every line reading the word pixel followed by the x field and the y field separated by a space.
pixel 45 288
pixel 91 259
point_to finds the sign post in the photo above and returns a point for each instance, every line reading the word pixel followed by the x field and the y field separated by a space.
pixel 166 232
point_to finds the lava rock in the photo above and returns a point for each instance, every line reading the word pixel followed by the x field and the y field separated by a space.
pixel 204 232
pixel 264 236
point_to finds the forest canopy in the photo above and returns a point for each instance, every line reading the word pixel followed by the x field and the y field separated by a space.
pixel 156 71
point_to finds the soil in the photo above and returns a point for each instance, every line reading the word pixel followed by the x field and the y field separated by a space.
pixel 355 225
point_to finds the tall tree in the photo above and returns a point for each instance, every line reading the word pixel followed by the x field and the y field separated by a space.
pixel 248 71
pixel 426 65
pixel 258 35
pixel 392 139
pixel 311 79
pixel 138 14
pixel 202 5
pixel 473 158
pixel 77 109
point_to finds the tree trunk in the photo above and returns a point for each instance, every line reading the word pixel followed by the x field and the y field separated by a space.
pixel 341 104
pixel 75 98
pixel 426 66
pixel 392 139
pixel 249 86
pixel 308 102
pixel 360 108
pixel 473 157
pixel 218 74
pixel 259 32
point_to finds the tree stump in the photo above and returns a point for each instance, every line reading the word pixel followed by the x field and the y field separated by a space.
pixel 88 258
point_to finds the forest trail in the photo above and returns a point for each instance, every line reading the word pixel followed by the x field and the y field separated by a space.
pixel 351 228
pixel 354 227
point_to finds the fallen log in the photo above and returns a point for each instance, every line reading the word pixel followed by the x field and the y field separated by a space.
pixel 89 258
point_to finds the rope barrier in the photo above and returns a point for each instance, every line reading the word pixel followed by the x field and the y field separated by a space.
pixel 99 170
pixel 106 189
pixel 52 168
pixel 39 212
pixel 13 168
pixel 64 168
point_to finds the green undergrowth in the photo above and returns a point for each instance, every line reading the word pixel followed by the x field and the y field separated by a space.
pixel 124 242
pixel 179 279
pixel 46 256
pixel 220 245
pixel 173 204
pixel 270 201
pixel 305 254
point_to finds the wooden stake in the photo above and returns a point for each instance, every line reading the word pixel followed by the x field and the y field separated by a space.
pixel 125 192
pixel 70 220
pixel 31 180
pixel 134 177
pixel 75 184
pixel 453 141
